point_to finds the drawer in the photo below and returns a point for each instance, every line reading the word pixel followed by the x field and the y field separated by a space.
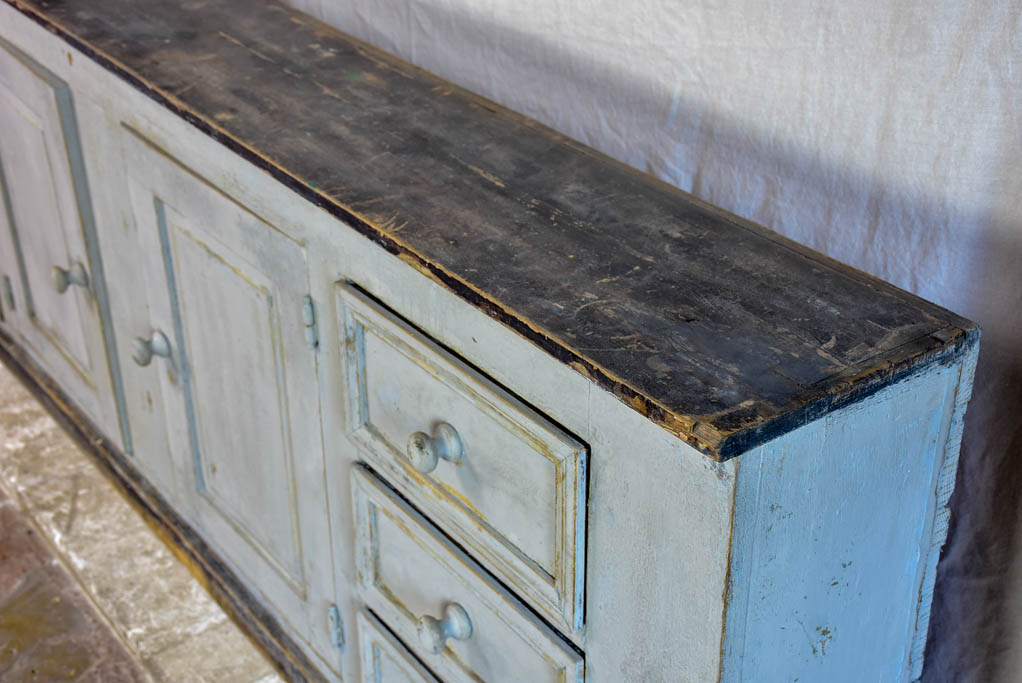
pixel 502 480
pixel 384 658
pixel 458 621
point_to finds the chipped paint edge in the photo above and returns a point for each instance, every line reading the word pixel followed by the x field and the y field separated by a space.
pixel 932 532
pixel 942 513
pixel 698 431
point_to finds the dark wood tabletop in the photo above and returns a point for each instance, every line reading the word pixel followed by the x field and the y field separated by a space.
pixel 722 331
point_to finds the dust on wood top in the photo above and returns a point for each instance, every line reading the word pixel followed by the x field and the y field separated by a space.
pixel 722 331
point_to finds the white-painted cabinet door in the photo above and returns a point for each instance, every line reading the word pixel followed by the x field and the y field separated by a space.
pixel 48 283
pixel 238 374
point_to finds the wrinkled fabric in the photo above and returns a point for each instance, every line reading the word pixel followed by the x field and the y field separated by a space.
pixel 886 134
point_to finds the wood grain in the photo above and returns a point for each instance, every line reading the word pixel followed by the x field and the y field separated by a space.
pixel 724 332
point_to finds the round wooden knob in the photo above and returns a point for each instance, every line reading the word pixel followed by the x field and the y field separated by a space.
pixel 425 451
pixel 143 350
pixel 62 279
pixel 434 633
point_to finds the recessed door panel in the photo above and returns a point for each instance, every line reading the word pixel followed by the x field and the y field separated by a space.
pixel 55 310
pixel 236 349
pixel 30 189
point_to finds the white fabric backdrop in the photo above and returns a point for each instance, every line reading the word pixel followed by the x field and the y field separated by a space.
pixel 886 134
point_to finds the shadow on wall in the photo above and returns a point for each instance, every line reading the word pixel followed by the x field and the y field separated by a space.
pixel 917 182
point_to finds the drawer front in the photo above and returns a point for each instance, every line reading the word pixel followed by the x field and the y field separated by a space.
pixel 384 658
pixel 460 623
pixel 516 496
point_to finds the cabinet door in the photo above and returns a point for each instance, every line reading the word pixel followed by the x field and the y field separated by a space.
pixel 239 381
pixel 45 215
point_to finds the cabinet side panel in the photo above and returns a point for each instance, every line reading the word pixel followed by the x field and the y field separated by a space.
pixel 833 526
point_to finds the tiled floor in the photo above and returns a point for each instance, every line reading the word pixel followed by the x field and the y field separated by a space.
pixel 48 628
pixel 85 585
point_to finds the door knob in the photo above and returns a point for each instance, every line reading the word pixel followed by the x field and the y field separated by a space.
pixel 62 279
pixel 425 451
pixel 143 350
pixel 434 633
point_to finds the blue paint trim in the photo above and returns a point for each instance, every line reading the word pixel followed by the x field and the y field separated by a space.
pixel 80 183
pixel 336 626
pixel 182 356
pixel 5 197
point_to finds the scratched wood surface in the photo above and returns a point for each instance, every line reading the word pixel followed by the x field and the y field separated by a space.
pixel 722 331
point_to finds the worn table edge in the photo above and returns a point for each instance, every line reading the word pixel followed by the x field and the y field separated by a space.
pixel 857 383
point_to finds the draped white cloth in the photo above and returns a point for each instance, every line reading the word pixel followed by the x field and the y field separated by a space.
pixel 886 134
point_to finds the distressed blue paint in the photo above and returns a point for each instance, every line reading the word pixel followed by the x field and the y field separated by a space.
pixel 945 486
pixel 832 528
pixel 80 185
pixel 5 197
pixel 182 356
pixel 336 626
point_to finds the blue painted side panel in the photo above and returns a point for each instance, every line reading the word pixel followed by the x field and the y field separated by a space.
pixel 832 530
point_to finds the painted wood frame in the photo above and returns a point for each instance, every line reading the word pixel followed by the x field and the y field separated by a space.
pixel 385 658
pixel 680 548
pixel 406 568
pixel 54 270
pixel 521 479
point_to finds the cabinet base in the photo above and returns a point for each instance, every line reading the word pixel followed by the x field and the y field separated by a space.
pixel 202 561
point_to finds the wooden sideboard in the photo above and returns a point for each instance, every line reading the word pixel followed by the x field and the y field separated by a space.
pixel 426 391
